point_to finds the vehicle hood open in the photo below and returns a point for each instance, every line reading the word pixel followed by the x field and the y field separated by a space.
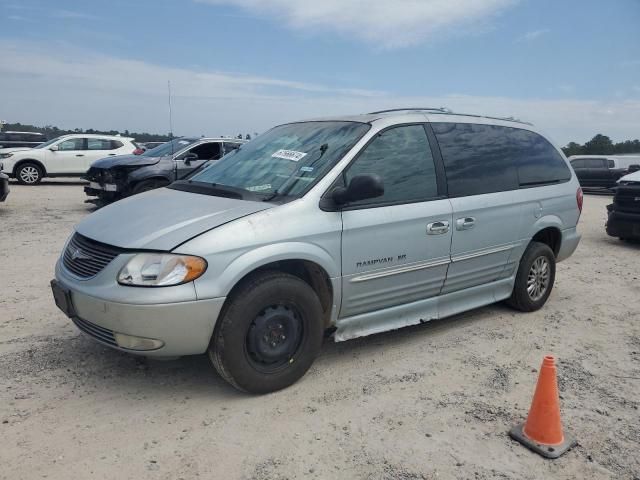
pixel 631 177
pixel 162 219
pixel 125 160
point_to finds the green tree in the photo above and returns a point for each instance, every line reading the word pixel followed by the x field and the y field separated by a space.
pixel 599 145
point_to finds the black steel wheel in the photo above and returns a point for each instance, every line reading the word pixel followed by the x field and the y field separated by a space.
pixel 269 333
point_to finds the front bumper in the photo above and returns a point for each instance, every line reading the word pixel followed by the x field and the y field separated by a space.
pixel 4 187
pixel 623 225
pixel 182 328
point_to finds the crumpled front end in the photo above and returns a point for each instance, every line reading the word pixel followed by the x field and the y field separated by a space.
pixel 107 184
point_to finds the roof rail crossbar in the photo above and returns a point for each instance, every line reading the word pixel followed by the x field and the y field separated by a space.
pixel 429 109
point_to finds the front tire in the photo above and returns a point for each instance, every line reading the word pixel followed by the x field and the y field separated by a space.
pixel 269 334
pixel 29 174
pixel 535 278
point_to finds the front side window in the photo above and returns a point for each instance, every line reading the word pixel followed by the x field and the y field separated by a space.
pixel 285 161
pixel 206 151
pixel 579 164
pixel 595 163
pixel 402 157
pixel 72 144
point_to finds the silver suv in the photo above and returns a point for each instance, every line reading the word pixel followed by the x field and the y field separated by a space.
pixel 351 225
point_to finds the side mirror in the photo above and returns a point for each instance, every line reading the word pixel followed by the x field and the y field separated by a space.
pixel 360 187
pixel 189 157
pixel 54 148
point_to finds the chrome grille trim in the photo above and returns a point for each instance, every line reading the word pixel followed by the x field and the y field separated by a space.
pixel 85 258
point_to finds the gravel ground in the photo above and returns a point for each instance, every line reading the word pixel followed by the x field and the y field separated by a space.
pixel 432 401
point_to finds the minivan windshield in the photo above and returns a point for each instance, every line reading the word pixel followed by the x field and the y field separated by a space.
pixel 285 161
pixel 169 148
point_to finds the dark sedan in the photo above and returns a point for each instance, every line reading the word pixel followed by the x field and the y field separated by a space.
pixel 117 177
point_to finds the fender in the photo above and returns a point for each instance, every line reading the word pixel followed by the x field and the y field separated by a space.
pixel 28 160
pixel 545 222
pixel 222 284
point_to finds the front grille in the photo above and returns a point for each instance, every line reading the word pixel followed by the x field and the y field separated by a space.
pixel 627 199
pixel 101 334
pixel 86 258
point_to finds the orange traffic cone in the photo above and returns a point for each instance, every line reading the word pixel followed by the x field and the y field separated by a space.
pixel 542 432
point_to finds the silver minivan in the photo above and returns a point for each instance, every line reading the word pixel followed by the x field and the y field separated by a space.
pixel 350 226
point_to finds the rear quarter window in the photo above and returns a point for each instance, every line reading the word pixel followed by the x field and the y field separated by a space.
pixel 482 159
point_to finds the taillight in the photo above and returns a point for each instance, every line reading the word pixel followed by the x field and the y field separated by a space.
pixel 579 199
pixel 138 151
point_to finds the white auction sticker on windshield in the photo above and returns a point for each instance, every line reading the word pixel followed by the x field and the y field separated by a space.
pixel 259 188
pixel 289 155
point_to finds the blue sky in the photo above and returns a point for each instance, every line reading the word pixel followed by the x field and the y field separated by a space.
pixel 572 67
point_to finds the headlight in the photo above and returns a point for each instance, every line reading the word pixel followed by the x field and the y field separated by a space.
pixel 161 270
pixel 6 155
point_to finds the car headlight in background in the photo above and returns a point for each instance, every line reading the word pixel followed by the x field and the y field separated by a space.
pixel 161 270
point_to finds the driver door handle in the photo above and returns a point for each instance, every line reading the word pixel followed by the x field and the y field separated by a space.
pixel 438 228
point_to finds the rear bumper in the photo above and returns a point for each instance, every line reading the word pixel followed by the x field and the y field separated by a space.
pixel 4 187
pixel 623 225
pixel 569 243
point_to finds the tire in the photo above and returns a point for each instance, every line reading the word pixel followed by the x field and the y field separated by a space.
pixel 151 184
pixel 535 278
pixel 29 174
pixel 269 333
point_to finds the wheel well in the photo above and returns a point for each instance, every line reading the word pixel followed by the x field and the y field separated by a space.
pixel 550 236
pixel 29 160
pixel 309 272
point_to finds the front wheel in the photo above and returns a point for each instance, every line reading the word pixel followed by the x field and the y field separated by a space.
pixel 269 333
pixel 535 278
pixel 29 174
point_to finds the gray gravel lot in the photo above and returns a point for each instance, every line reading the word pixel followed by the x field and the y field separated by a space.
pixel 426 402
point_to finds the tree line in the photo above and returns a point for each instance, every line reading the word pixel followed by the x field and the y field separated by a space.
pixel 51 131
pixel 602 145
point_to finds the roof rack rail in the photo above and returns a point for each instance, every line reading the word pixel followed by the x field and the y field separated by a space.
pixel 429 109
pixel 446 111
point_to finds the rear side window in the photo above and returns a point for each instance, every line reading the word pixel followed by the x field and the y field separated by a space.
pixel 489 158
pixel 402 157
pixel 99 144
pixel 116 144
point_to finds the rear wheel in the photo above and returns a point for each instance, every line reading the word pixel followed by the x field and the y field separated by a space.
pixel 269 333
pixel 151 184
pixel 29 174
pixel 535 278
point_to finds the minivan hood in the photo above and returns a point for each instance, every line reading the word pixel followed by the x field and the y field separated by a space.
pixel 125 160
pixel 162 219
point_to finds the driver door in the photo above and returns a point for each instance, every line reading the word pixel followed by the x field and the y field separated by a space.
pixel 69 158
pixel 193 158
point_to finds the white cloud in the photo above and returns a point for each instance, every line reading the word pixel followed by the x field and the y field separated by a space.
pixel 383 23
pixel 532 35
pixel 76 88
